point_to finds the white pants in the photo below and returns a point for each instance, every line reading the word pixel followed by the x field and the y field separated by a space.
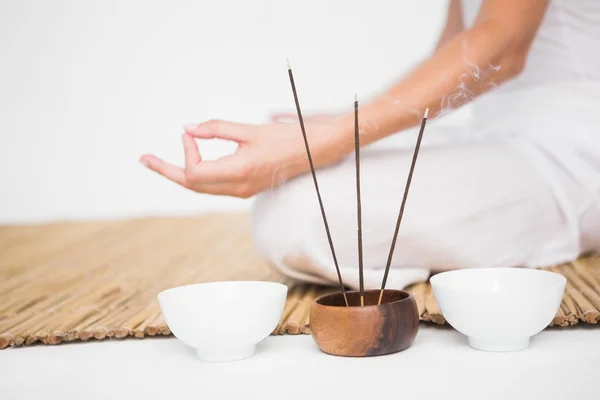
pixel 473 202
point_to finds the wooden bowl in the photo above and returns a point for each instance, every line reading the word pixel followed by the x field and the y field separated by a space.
pixel 371 330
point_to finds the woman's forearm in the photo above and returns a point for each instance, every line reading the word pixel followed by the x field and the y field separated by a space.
pixel 470 64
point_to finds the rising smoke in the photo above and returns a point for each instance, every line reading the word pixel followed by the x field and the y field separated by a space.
pixel 463 95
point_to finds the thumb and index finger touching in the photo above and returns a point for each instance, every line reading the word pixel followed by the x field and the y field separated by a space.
pixel 197 170
pixel 225 169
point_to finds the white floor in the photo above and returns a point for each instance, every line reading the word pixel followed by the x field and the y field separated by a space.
pixel 560 364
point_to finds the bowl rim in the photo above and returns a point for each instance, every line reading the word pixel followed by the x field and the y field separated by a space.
pixel 372 306
pixel 163 293
pixel 434 280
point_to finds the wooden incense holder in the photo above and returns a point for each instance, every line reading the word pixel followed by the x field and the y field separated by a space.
pixel 372 330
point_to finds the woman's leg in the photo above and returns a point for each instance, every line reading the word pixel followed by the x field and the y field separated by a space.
pixel 471 204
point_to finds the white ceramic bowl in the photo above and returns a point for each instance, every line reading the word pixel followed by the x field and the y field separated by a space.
pixel 223 321
pixel 499 309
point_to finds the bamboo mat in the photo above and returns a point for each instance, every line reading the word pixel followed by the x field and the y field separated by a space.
pixel 82 281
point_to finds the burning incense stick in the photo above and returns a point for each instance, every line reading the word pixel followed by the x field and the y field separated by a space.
pixel 312 170
pixel 412 168
pixel 358 204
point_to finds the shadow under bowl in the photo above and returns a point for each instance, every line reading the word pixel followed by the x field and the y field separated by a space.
pixel 364 331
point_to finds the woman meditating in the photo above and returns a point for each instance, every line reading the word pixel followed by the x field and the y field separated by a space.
pixel 518 185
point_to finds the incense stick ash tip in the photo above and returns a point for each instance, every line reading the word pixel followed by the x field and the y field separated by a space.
pixel 426 113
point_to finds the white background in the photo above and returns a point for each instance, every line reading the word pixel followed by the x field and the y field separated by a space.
pixel 87 87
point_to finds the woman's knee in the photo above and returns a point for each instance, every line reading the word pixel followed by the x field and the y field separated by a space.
pixel 277 217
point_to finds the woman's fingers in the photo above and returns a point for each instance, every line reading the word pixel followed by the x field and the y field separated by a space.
pixel 217 129
pixel 228 169
pixel 165 169
pixel 200 182
pixel 191 152
pixel 223 170
pixel 284 118
pixel 231 169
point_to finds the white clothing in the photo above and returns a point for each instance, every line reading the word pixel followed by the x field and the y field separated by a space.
pixel 554 106
pixel 518 186
pixel 565 48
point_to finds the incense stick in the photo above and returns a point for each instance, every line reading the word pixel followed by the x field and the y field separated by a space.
pixel 314 176
pixel 401 213
pixel 358 203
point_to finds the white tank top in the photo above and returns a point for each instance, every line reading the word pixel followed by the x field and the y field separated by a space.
pixel 562 69
pixel 566 48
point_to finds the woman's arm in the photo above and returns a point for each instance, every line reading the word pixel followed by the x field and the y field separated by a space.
pixel 469 64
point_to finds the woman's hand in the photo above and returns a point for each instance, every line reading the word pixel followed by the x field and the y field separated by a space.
pixel 267 155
